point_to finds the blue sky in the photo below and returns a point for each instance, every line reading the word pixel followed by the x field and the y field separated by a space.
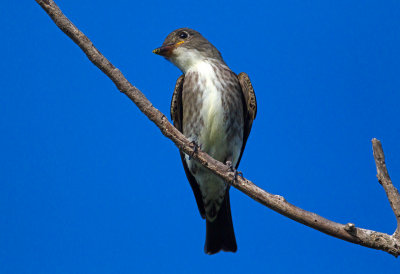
pixel 89 185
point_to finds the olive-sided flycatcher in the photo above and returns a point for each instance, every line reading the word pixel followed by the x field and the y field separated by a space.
pixel 214 108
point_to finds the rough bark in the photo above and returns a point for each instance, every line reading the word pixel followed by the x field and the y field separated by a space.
pixel 348 232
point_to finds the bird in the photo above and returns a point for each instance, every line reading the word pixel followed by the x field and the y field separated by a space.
pixel 214 108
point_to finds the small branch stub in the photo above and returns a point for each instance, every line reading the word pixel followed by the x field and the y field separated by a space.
pixel 350 227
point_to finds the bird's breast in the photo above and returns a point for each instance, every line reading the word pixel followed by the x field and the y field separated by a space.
pixel 208 112
pixel 212 111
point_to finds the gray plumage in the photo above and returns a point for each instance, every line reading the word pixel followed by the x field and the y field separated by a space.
pixel 214 108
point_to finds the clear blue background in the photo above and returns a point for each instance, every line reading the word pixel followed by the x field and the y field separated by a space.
pixel 89 185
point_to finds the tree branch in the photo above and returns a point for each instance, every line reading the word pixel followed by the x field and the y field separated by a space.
pixel 383 177
pixel 348 232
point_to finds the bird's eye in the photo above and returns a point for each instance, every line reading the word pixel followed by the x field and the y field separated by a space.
pixel 183 35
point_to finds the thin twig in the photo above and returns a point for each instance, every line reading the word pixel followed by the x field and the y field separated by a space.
pixel 383 177
pixel 349 232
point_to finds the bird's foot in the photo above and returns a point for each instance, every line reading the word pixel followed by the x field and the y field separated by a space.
pixel 234 170
pixel 196 148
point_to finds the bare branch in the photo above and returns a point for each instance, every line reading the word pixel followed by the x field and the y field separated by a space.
pixel 348 232
pixel 383 177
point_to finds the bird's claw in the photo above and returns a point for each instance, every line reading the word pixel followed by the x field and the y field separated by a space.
pixel 234 170
pixel 196 148
pixel 237 173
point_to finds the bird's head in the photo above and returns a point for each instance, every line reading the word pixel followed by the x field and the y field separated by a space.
pixel 186 47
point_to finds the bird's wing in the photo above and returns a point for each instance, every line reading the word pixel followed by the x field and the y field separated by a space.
pixel 176 116
pixel 249 107
pixel 176 103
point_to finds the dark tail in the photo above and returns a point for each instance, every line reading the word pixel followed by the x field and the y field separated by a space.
pixel 219 233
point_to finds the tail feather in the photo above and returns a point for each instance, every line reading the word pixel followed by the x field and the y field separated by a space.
pixel 219 233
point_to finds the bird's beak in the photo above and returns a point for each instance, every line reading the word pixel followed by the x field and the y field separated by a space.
pixel 166 50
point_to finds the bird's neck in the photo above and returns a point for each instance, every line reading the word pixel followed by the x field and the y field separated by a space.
pixel 191 60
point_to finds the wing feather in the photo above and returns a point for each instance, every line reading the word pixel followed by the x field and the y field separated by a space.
pixel 176 116
pixel 249 108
